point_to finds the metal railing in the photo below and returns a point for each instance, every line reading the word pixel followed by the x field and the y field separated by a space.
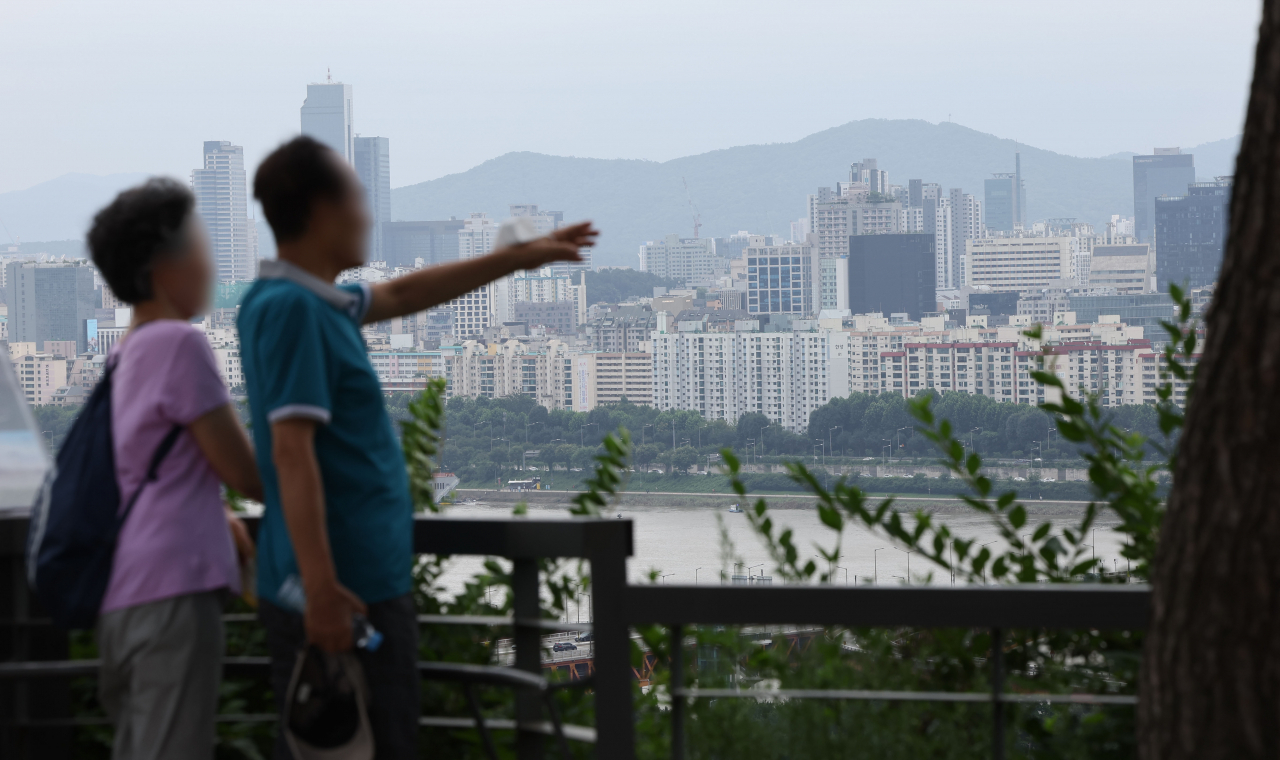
pixel 35 667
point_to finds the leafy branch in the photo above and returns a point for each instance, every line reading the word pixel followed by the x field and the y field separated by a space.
pixel 422 437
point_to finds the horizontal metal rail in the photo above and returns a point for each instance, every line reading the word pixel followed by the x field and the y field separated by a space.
pixel 1091 606
pixel 907 696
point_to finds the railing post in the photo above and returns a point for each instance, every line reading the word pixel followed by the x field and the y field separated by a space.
pixel 615 729
pixel 677 698
pixel 997 692
pixel 528 641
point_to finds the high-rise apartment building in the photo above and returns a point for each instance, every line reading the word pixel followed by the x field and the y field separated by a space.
pixel 782 278
pixel 966 224
pixel 476 236
pixel 328 115
pixel 892 274
pixel 1167 172
pixel 833 283
pixel 373 167
pixel 1018 263
pixel 1190 232
pixel 834 216
pixel 223 203
pixel 691 261
pixel 725 374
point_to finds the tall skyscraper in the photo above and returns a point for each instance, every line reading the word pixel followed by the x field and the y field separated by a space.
pixel 892 274
pixel 373 166
pixel 1167 172
pixel 1190 232
pixel 223 202
pixel 328 116
pixel 915 193
pixel 867 172
pixel 999 196
pixel 1005 199
pixel 49 302
pixel 782 278
pixel 403 243
pixel 966 224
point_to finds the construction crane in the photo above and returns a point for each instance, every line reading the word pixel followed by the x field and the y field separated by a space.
pixel 697 217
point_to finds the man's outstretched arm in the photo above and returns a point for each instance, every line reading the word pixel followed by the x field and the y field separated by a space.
pixel 436 285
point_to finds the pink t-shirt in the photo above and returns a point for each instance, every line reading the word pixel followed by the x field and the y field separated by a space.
pixel 176 540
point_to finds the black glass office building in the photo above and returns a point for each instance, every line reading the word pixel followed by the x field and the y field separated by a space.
pixel 434 242
pixel 1166 173
pixel 892 274
pixel 1190 233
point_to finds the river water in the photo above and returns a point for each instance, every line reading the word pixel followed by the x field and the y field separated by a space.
pixel 685 543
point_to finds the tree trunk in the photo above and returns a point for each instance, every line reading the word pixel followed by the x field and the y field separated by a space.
pixel 1210 685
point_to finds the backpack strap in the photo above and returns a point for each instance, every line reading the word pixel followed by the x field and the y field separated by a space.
pixel 162 451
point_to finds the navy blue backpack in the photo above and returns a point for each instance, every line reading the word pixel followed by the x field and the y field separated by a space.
pixel 76 519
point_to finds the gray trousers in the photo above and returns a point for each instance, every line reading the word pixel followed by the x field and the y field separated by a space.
pixel 161 666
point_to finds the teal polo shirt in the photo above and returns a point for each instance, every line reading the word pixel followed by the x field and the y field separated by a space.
pixel 303 357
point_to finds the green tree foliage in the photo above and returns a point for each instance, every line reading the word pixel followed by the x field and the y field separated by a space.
pixel 864 424
pixel 53 422
pixel 683 458
pixel 617 285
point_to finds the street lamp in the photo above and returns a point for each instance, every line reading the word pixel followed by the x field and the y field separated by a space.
pixel 875 564
pixel 663 578
pixel 526 430
pixel 584 427
pixel 984 569
pixel 695 575
pixel 898 433
pixel 904 551
pixel 819 442
pixel 846 574
pixel 642 433
pixel 888 444
pixel 700 427
pixel 762 442
pixel 831 446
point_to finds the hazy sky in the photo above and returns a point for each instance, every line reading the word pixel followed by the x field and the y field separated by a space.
pixel 129 86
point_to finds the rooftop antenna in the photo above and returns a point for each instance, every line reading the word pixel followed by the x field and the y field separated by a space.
pixel 328 75
pixel 697 217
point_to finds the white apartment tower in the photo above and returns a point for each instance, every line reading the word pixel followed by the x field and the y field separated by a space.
pixel 222 201
pixel 328 116
pixel 692 261
pixel 966 224
pixel 723 375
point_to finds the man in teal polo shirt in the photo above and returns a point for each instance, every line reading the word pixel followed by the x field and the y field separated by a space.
pixel 338 521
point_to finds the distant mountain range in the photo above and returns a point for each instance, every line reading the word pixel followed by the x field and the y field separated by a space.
pixel 760 188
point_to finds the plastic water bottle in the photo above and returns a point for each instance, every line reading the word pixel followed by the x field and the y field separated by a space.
pixel 292 597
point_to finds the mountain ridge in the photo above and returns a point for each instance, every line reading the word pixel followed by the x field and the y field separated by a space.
pixel 762 187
